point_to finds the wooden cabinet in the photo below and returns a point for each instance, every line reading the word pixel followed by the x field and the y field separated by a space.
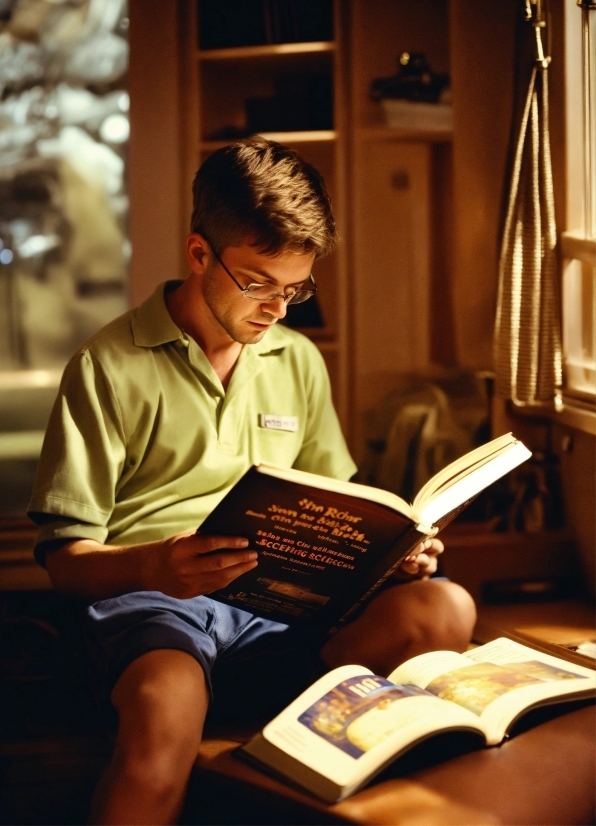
pixel 399 186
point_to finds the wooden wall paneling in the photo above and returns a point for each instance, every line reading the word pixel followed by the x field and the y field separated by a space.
pixel 442 345
pixel 189 115
pixel 577 454
pixel 482 40
pixel 340 205
pixel 155 180
pixel 392 267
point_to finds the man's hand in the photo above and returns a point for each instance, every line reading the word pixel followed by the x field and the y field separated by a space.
pixel 421 562
pixel 188 565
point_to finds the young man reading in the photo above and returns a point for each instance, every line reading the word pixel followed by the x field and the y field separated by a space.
pixel 156 418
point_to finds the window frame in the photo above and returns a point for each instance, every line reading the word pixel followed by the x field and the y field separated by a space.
pixel 577 237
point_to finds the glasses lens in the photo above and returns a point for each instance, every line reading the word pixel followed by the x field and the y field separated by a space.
pixel 300 296
pixel 261 292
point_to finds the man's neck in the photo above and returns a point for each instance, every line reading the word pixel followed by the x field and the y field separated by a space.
pixel 189 312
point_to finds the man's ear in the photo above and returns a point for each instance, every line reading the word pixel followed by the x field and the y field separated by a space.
pixel 197 253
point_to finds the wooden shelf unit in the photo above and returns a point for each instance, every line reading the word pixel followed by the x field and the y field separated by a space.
pixel 265 51
pixel 305 136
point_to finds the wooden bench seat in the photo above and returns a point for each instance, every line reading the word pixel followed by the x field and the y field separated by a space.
pixel 542 775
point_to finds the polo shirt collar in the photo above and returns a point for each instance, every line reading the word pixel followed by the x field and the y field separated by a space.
pixel 152 326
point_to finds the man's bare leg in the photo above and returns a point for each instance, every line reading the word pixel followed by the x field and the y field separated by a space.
pixel 161 700
pixel 409 619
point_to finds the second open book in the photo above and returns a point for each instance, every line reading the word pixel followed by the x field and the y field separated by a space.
pixel 350 723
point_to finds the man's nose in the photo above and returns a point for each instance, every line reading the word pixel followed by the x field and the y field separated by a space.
pixel 277 307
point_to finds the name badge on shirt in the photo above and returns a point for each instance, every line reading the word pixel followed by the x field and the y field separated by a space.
pixel 274 422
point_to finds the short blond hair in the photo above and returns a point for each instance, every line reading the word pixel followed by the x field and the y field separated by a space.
pixel 264 191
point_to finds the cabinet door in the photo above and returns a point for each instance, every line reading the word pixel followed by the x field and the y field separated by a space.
pixel 391 264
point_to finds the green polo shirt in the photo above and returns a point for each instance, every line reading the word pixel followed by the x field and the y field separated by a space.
pixel 144 441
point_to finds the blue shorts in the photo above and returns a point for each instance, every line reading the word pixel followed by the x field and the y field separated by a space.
pixel 249 662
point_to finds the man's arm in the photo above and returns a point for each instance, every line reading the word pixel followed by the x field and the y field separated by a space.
pixel 183 566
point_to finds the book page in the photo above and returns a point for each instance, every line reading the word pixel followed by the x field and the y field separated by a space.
pixel 498 681
pixel 503 650
pixel 422 669
pixel 349 725
pixel 433 505
pixel 460 467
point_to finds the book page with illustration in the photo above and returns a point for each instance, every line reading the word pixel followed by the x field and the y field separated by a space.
pixel 351 723
pixel 497 681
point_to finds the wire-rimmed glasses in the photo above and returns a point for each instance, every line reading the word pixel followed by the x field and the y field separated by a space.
pixel 262 292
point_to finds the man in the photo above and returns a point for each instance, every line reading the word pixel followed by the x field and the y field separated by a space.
pixel 156 418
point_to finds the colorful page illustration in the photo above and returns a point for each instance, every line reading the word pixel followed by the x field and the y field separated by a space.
pixel 476 686
pixel 359 713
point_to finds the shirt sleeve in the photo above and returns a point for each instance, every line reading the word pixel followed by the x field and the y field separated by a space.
pixel 82 457
pixel 324 450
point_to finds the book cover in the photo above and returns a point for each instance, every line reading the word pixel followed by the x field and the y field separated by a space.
pixel 320 552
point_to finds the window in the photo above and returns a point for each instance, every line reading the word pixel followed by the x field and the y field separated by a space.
pixel 64 245
pixel 578 243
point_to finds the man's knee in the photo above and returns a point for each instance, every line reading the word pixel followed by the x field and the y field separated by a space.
pixel 440 612
pixel 403 621
pixel 161 700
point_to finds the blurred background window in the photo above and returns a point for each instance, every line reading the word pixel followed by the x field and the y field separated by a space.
pixel 64 247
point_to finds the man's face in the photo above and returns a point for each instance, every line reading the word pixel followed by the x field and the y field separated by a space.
pixel 245 320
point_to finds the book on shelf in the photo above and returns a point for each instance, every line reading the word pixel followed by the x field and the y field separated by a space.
pixel 326 545
pixel 351 724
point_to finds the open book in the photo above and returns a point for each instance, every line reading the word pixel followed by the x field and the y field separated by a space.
pixel 326 545
pixel 350 724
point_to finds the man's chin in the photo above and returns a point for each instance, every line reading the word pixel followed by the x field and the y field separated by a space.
pixel 250 336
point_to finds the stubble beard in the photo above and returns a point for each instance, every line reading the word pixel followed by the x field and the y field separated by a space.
pixel 224 315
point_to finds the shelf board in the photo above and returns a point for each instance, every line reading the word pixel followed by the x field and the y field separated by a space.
pixel 386 133
pixel 267 50
pixel 305 136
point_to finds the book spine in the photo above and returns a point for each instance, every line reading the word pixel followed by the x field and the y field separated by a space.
pixel 381 573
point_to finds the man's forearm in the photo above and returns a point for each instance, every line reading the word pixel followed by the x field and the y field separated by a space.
pixel 86 569
pixel 183 566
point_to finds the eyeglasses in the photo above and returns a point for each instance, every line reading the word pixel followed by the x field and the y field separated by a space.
pixel 262 292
